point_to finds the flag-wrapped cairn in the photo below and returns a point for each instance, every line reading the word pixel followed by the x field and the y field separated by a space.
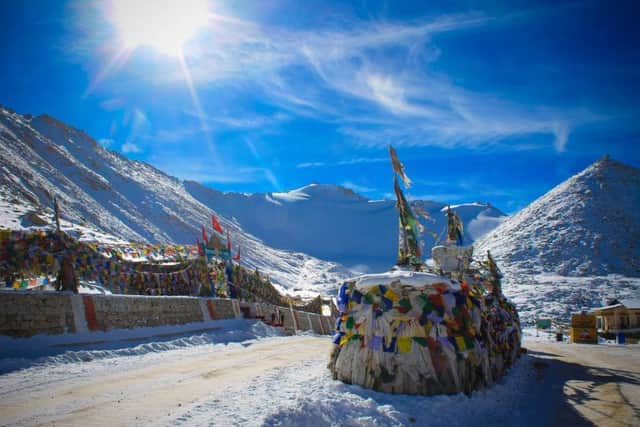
pixel 420 333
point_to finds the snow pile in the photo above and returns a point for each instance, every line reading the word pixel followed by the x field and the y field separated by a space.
pixel 305 395
pixel 573 247
pixel 52 350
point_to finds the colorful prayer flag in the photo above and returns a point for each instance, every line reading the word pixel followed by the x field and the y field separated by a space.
pixel 404 344
pixel 398 167
pixel 375 343
pixel 216 224
pixel 391 347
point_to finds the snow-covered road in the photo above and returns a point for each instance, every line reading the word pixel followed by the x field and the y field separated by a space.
pixel 264 379
pixel 155 390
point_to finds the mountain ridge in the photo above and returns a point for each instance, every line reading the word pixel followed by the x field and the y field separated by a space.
pixel 304 238
pixel 43 157
pixel 355 231
pixel 587 225
pixel 128 199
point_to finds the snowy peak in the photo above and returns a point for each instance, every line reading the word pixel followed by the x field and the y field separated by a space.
pixel 331 192
pixel 334 223
pixel 587 225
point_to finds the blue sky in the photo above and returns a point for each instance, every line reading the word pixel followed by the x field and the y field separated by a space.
pixel 484 101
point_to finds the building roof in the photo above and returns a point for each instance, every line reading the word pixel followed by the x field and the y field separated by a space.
pixel 631 304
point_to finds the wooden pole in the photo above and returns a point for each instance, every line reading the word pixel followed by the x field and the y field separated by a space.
pixel 56 209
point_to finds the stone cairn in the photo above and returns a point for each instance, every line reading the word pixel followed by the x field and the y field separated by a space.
pixel 440 329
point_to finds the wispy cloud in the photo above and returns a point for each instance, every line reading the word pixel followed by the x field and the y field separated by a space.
pixel 216 123
pixel 345 76
pixel 384 101
pixel 355 161
pixel 199 170
pixel 174 135
pixel 242 120
pixel 130 147
pixel 139 127
pixel 311 165
pixel 358 188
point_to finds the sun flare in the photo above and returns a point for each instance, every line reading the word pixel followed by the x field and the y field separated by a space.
pixel 164 25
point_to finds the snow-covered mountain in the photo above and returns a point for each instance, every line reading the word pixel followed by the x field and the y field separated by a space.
pixel 106 192
pixel 575 246
pixel 570 249
pixel 101 192
pixel 588 225
pixel 334 223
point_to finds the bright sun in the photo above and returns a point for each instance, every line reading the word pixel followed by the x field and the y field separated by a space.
pixel 164 25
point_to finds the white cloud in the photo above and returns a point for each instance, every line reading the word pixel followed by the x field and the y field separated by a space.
pixel 354 161
pixel 561 132
pixel 130 147
pixel 311 165
pixel 345 77
pixel 139 128
pixel 200 169
pixel 357 187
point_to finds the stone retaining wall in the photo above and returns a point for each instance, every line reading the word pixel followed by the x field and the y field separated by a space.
pixel 295 320
pixel 24 314
pixel 122 312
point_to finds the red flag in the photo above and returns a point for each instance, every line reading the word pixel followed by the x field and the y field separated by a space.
pixel 228 242
pixel 216 224
pixel 204 235
pixel 200 251
pixel 237 257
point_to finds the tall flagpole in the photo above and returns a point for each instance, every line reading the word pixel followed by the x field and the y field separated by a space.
pixel 409 250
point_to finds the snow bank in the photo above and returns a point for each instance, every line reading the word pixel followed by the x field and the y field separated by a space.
pixel 20 353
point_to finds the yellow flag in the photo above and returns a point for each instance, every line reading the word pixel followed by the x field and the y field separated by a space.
pixel 404 344
pixel 391 295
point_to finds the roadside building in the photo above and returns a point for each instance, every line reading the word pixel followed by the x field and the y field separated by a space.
pixel 583 328
pixel 620 317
